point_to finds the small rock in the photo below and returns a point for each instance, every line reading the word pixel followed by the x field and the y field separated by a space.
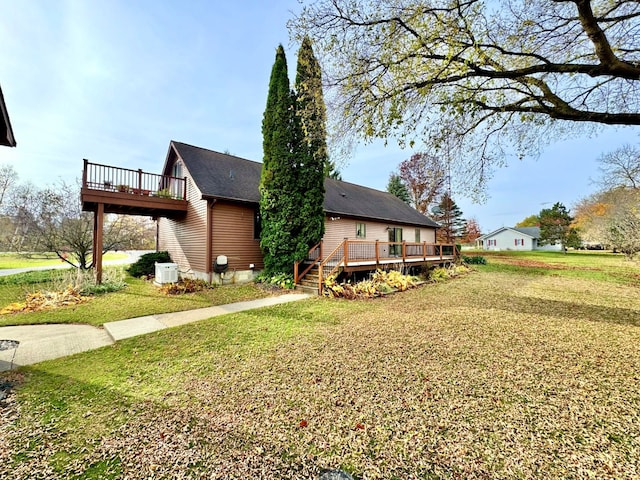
pixel 335 475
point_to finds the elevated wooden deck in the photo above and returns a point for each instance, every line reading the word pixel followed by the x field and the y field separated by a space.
pixel 362 255
pixel 132 192
pixel 107 189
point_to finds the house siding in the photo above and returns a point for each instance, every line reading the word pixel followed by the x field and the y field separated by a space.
pixel 338 229
pixel 232 234
pixel 506 240
pixel 185 239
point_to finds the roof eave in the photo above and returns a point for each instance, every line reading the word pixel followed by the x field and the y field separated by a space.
pixel 10 140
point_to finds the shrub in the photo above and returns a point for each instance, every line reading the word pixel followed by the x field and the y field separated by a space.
pixel 146 264
pixel 381 283
pixel 186 285
pixel 281 280
pixel 439 274
pixel 475 260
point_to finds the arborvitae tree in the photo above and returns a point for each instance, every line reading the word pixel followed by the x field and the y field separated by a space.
pixel 449 216
pixel 280 198
pixel 314 160
pixel 397 187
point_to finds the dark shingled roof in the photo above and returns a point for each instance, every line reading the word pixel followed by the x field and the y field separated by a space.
pixel 6 133
pixel 531 231
pixel 223 176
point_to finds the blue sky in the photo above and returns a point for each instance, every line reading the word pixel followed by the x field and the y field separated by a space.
pixel 114 81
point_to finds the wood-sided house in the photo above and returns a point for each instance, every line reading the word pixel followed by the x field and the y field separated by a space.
pixel 222 219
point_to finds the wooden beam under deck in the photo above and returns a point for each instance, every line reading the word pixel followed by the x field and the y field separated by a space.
pixel 359 266
pixel 132 204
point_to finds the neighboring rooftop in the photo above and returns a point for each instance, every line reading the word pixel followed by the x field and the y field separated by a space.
pixel 533 232
pixel 6 133
pixel 219 175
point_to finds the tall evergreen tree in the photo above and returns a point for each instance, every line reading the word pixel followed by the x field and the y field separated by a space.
pixel 449 216
pixel 398 188
pixel 280 198
pixel 555 227
pixel 314 159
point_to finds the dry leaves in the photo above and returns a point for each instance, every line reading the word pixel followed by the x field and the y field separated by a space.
pixel 46 301
pixel 490 376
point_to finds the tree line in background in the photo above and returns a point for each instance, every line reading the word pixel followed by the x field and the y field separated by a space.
pixel 608 218
pixel 50 219
pixel 611 216
pixel 422 182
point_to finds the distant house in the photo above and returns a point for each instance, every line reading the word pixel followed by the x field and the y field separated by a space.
pixel 514 238
pixel 6 133
pixel 222 218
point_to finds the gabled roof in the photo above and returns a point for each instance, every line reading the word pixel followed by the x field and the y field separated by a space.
pixel 533 232
pixel 6 133
pixel 222 176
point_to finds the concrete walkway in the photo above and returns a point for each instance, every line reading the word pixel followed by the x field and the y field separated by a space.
pixel 46 342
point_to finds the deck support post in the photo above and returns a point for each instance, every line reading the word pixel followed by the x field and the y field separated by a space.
pixel 346 251
pixel 98 221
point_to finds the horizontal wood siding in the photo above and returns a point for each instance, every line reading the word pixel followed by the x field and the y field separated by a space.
pixel 185 239
pixel 233 236
pixel 338 229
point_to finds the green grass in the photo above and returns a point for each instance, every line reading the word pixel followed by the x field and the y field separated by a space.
pixel 139 298
pixel 574 264
pixel 14 260
pixel 499 374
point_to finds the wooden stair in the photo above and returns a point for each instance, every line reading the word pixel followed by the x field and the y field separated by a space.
pixel 309 283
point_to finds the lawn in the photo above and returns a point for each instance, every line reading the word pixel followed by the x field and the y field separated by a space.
pixel 139 298
pixel 504 373
pixel 13 260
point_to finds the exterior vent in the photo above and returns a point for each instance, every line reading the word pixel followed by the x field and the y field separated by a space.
pixel 166 273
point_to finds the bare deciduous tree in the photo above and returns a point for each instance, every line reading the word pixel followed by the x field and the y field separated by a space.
pixel 51 220
pixel 620 168
pixel 424 176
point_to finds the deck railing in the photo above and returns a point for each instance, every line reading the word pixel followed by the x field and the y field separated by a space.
pixel 363 253
pixel 136 182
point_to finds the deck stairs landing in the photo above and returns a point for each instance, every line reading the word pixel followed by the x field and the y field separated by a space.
pixel 309 283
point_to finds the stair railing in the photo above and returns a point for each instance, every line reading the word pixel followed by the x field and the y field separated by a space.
pixel 314 255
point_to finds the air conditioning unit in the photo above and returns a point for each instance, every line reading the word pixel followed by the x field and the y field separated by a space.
pixel 166 273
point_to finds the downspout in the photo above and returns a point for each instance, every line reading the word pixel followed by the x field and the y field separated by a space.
pixel 209 248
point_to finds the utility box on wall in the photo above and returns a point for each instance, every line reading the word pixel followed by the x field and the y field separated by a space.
pixel 166 273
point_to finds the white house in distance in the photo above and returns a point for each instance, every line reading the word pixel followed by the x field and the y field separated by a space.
pixel 514 238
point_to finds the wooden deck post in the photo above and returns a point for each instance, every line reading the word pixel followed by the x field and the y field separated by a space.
pixel 346 252
pixel 98 220
pixel 404 251
pixel 377 253
pixel 84 173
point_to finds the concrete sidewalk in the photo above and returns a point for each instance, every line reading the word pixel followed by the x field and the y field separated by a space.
pixel 46 342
